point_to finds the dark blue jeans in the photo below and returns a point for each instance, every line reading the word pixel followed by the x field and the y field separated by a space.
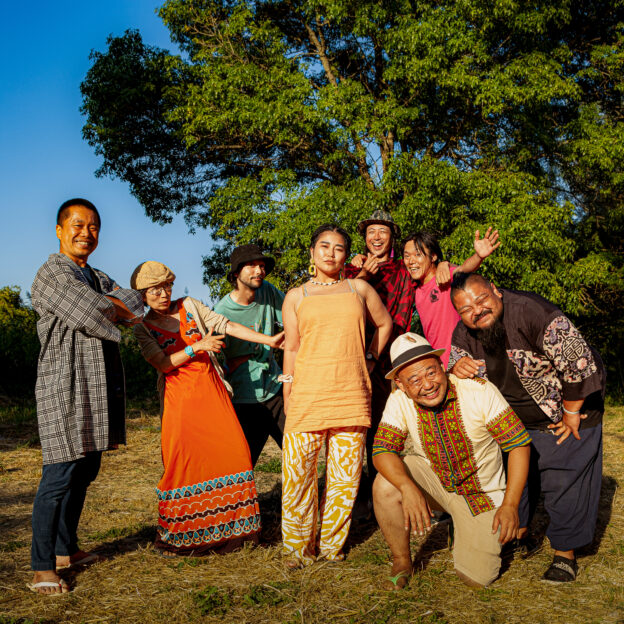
pixel 57 508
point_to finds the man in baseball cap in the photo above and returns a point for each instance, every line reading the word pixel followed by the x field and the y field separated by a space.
pixel 251 368
pixel 458 431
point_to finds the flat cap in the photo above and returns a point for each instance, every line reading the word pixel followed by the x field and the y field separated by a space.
pixel 150 273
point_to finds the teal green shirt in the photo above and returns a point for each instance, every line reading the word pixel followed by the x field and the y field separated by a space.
pixel 255 380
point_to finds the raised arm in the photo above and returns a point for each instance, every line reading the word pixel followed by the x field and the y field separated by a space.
pixel 292 339
pixel 483 248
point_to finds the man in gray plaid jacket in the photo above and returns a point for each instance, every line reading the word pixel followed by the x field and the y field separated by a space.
pixel 80 387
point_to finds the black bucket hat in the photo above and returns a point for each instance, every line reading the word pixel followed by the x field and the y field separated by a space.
pixel 248 253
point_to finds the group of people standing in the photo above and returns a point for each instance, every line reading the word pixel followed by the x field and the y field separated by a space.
pixel 354 379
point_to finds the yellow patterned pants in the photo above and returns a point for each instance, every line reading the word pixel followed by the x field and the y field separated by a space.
pixel 344 455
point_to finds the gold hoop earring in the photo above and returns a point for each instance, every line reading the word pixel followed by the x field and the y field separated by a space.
pixel 312 269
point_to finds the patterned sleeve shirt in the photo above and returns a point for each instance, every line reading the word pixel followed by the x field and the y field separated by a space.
pixel 552 359
pixel 71 391
pixel 462 442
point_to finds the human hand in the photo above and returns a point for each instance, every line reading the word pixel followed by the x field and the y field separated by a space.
pixel 443 273
pixel 569 424
pixel 210 342
pixel 277 341
pixel 486 245
pixel 122 314
pixel 466 367
pixel 506 517
pixel 358 261
pixel 416 511
pixel 370 267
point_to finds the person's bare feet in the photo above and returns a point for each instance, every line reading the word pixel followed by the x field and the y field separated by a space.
pixel 45 578
pixel 399 577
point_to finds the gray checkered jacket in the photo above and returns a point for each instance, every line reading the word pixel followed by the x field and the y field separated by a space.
pixel 71 379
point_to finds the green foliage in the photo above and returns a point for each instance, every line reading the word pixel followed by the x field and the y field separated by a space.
pixel 274 465
pixel 140 376
pixel 213 601
pixel 269 595
pixel 19 345
pixel 279 115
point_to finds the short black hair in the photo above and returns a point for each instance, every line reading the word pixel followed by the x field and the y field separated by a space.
pixel 329 227
pixel 61 215
pixel 426 243
pixel 461 280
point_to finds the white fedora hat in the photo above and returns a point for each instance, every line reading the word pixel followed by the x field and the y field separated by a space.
pixel 407 348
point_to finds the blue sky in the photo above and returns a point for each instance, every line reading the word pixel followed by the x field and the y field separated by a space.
pixel 44 55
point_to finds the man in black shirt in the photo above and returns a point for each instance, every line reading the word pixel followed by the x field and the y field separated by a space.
pixel 555 383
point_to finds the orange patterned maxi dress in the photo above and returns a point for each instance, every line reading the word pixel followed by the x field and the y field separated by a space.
pixel 207 497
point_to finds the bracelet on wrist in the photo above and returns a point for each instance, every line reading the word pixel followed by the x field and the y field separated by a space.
pixel 189 351
pixel 572 413
pixel 285 378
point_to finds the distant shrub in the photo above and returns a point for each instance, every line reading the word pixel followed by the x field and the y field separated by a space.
pixel 19 344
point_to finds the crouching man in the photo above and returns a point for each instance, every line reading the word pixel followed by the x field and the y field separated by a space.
pixel 459 428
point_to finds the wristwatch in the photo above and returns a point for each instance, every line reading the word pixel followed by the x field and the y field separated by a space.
pixel 189 351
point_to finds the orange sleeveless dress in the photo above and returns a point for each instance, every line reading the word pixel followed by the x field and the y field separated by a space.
pixel 207 498
pixel 331 387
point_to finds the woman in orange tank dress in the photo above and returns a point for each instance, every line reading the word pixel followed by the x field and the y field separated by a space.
pixel 207 499
pixel 326 397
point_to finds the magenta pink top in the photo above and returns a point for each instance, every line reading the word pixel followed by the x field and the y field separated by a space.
pixel 437 315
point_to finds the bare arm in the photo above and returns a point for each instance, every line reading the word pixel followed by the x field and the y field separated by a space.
pixel 291 340
pixel 507 514
pixel 245 333
pixel 378 315
pixel 166 363
pixel 416 511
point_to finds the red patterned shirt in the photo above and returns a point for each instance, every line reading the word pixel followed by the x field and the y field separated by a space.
pixel 462 442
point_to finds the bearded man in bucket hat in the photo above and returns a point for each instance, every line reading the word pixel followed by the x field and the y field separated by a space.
pixel 458 430
pixel 251 368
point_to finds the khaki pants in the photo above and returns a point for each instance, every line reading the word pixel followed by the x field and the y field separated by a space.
pixel 476 552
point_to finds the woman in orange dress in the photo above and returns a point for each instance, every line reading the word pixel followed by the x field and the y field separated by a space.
pixel 207 499
pixel 326 397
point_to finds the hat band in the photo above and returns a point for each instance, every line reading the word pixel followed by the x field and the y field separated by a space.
pixel 411 354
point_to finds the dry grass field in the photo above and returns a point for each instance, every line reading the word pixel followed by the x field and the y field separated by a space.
pixel 134 584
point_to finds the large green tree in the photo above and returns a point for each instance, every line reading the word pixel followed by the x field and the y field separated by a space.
pixel 274 116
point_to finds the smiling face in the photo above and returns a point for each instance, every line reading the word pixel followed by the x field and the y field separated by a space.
pixel 79 233
pixel 329 253
pixel 251 275
pixel 479 305
pixel 424 381
pixel 158 297
pixel 379 240
pixel 421 264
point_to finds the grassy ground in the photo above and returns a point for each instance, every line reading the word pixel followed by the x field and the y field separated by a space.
pixel 135 584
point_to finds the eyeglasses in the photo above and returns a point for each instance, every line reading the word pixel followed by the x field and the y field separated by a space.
pixel 157 291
